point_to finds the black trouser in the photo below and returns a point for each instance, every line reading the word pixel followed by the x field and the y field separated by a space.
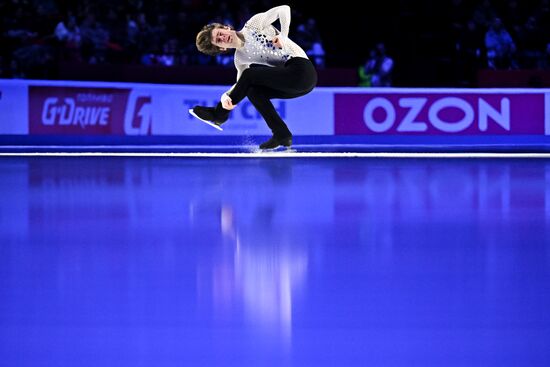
pixel 261 83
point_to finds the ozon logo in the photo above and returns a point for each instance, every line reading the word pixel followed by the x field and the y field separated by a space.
pixel 411 120
pixel 138 117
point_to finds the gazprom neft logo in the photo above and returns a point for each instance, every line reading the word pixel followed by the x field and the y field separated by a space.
pixel 76 111
pixel 446 114
pixel 138 118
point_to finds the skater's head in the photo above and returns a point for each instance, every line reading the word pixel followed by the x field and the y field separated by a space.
pixel 217 38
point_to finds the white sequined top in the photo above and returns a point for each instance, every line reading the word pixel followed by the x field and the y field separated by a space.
pixel 258 47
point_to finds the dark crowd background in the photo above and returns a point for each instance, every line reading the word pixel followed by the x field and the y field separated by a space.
pixel 429 43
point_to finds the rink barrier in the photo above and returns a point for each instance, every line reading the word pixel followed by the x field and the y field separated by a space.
pixel 73 113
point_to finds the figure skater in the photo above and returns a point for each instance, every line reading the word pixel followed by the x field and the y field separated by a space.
pixel 269 65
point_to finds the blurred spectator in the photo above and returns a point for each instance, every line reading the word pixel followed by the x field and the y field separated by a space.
pixel 118 36
pixel 542 13
pixel 225 60
pixel 95 39
pixel 36 34
pixel 544 62
pixel 308 37
pixel 26 42
pixel 458 13
pixel 514 16
pixel 501 49
pixel 378 69
pixel 169 56
pixel 132 37
pixel 469 48
pixel 484 14
pixel 67 32
pixel 317 54
pixel 530 44
pixel 33 62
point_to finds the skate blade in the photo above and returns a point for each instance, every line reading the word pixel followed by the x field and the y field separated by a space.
pixel 205 121
pixel 279 149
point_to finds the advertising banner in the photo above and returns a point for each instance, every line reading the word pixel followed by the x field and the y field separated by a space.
pixel 13 109
pixel 459 113
pixel 161 110
pixel 308 115
pixel 76 111
pixel 394 115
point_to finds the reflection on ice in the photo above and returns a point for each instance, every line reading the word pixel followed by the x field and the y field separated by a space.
pixel 257 275
pixel 207 261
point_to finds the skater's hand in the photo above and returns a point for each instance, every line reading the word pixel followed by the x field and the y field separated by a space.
pixel 278 41
pixel 227 103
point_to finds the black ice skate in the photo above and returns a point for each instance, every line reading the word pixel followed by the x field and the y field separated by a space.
pixel 209 116
pixel 276 142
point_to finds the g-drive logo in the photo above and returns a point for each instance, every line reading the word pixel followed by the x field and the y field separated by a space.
pixel 69 110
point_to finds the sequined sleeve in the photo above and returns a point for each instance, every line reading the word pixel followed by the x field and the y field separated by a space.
pixel 240 68
pixel 263 20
